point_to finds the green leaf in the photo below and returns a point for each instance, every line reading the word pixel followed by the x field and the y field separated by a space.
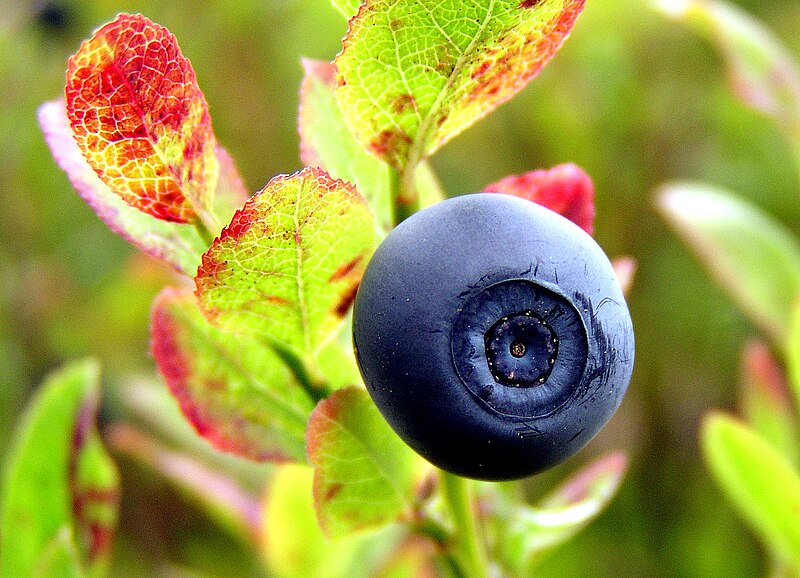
pixel 762 72
pixel 61 488
pixel 326 142
pixel 286 269
pixel 414 73
pixel 792 348
pixel 528 532
pixel 766 403
pixel 293 544
pixel 363 473
pixel 237 393
pixel 754 258
pixel 759 481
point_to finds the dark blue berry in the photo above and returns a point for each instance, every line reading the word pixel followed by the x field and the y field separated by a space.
pixel 493 336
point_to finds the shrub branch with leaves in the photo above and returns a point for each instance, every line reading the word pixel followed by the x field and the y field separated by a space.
pixel 255 353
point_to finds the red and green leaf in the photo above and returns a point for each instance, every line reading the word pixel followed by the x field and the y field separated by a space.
pixel 141 121
pixel 286 269
pixel 363 473
pixel 236 393
pixel 180 246
pixel 565 189
pixel 61 490
pixel 327 142
pixel 412 74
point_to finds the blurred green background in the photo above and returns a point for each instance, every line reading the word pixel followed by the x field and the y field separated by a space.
pixel 633 98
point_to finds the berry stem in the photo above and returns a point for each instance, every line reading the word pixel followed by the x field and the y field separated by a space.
pixel 457 496
pixel 403 190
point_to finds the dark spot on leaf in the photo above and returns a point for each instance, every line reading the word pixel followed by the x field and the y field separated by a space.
pixel 101 540
pixel 276 300
pixel 481 69
pixel 529 3
pixel 403 102
pixel 395 23
pixel 345 269
pixel 346 300
pixel 333 491
pixel 389 141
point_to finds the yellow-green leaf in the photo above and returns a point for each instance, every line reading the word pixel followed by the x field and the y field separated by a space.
pixel 754 258
pixel 414 73
pixel 286 269
pixel 759 481
pixel 363 473
pixel 293 544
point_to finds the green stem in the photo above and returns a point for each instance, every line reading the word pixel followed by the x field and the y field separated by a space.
pixel 204 232
pixel 403 188
pixel 466 545
pixel 316 388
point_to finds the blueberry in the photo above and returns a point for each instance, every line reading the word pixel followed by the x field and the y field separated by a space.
pixel 493 336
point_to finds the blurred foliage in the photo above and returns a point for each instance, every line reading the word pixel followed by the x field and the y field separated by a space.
pixel 633 98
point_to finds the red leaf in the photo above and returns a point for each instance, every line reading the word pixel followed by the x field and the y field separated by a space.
pixel 141 120
pixel 235 392
pixel 565 189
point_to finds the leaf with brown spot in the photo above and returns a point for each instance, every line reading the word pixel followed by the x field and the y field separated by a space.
pixel 326 141
pixel 236 392
pixel 413 74
pixel 284 271
pixel 363 473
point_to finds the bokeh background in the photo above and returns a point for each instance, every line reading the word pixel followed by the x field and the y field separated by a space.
pixel 633 98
